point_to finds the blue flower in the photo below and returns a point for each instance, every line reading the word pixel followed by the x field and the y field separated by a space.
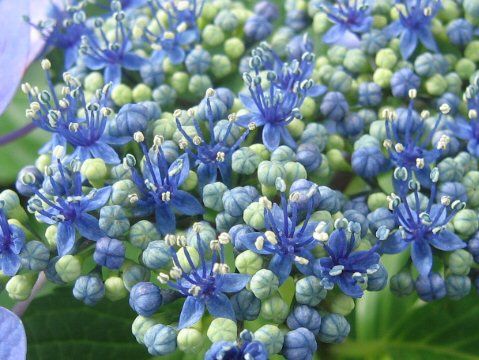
pixel 423 229
pixel 12 239
pixel 14 340
pixel 350 18
pixel 112 56
pixel 61 201
pixel 345 267
pixel 159 187
pixel 284 238
pixel 245 348
pixel 204 285
pixel 180 34
pixel 59 116
pixel 211 155
pixel 414 25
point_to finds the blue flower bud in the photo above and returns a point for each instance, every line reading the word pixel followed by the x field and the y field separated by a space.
pixel 269 171
pixel 351 126
pixel 156 255
pixel 267 9
pixel 370 94
pixel 368 161
pixel 134 274
pixel 152 74
pixel 89 289
pixel 51 272
pixel 473 247
pixel 373 41
pixel 296 19
pixel 223 131
pixel 165 95
pixel 205 231
pixel 299 344
pixel 334 328
pixel 304 189
pixel 236 232
pixel 213 195
pixel 452 147
pixel 218 109
pixel 31 172
pixel 226 96
pixel 109 253
pixel 113 220
pixel 245 161
pixel 160 340
pixel 309 291
pixel 450 99
pixel 378 280
pixel 309 156
pixel 140 326
pixel 306 317
pixel 402 284
pixel 381 217
pixel 330 199
pixel 235 201
pixel 356 216
pixel 455 190
pixel 283 154
pixel 225 221
pixel 145 298
pixel 402 81
pixel 153 110
pixel 142 233
pixel 246 305
pixel 226 20
pixel 357 204
pixel 198 61
pixel 334 106
pixel 458 286
pixel 428 64
pixel 431 287
pixel 34 256
pixel 130 119
pixel 315 134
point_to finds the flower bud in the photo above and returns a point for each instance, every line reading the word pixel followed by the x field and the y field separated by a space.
pixel 245 161
pixel 165 95
pixel 142 233
pixel 19 287
pixel 109 253
pixel 466 222
pixel 471 51
pixel 260 150
pixel 264 284
pixel 368 161
pixel 382 77
pixel 355 61
pixel 458 286
pixel 89 289
pixel 199 84
pixel 334 106
pixel 121 192
pixel 115 289
pixel 225 221
pixel 315 134
pixel 121 95
pixel 378 280
pixel 304 316
pixel 341 81
pixel 222 329
pixel 470 181
pixel 334 328
pixel 309 291
pixel 156 255
pixel 431 287
pixel 213 194
pixel 190 340
pixel 145 298
pixel 436 85
pixel 253 215
pixel 180 81
pixel 274 309
pixel 246 305
pixel 235 201
pixel 234 48
pixel 183 260
pixel 212 35
pixel 34 256
pixel 140 326
pixel 68 268
pixel 272 337
pixel 386 58
pixel 160 340
pixel 402 284
pixel 296 171
pixel 459 262
pixel 141 92
pixel 248 262
pixel 257 28
pixel 299 344
pixel 113 221
pixel 339 303
pixel 133 274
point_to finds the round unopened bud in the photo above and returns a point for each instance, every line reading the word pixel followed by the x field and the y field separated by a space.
pixel 466 222
pixel 190 340
pixel 68 268
pixel 222 329
pixel 272 337
pixel 160 340
pixel 140 326
pixel 460 262
pixel 264 284
pixel 334 328
pixel 115 289
pixel 95 171
pixel 19 287
pixel 142 233
pixel 274 309
pixel 253 215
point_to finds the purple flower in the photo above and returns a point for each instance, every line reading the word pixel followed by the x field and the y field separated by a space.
pixel 414 25
pixel 14 341
pixel 12 239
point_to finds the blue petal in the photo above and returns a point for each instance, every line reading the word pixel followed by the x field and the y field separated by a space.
pixel 281 266
pixel 333 34
pixel 88 227
pixel 394 244
pixel 179 177
pixel 219 306
pixel 105 152
pixel 186 37
pixel 248 240
pixel 207 174
pixel 446 241
pixel 9 263
pixel 427 39
pixel 132 62
pixel 13 341
pixel 248 102
pixel 393 29
pixel 408 43
pixel 191 313
pixel 233 282
pixel 349 286
pixel 165 219
pixel 287 138
pixel 338 244
pixel 176 55
pixel 186 204
pixel 421 255
pixel 97 199
pixel 317 90
pixel 461 128
pixel 65 238
pixel 93 63
pixel 271 137
pixel 113 74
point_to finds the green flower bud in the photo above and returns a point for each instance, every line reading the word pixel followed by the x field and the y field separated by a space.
pixel 296 127
pixel 337 54
pixel 264 284
pixel 164 95
pixel 133 274
pixel 170 68
pixel 378 130
pixel 199 84
pixel 308 110
pixel 141 92
pixel 323 172
pixel 436 85
pixel 309 291
pixel 340 303
pixel 450 11
pixel 320 23
pixel 454 83
pixel 140 326
pixel 43 161
pixel 93 81
pixel 402 284
pixel 269 171
pixel 213 194
pixel 142 233
pixel 460 262
pixel 253 215
pixel 268 191
pixel 212 35
pixel 51 236
pixel 191 181
pixel 465 68
pixel 355 61
pixel 261 151
pixel 294 171
pixel 324 73
pixel 10 200
pixel 220 66
pixel 165 127
pixel 234 48
pixel 472 51
pixel 222 329
pixel 248 262
pixel 95 171
pixel 68 268
pixel 115 289
pixel 386 58
pixel 467 161
pixel 190 340
pixel 121 95
pixel 466 222
pixel 209 11
pixel 337 160
pixel 382 77
pixel 471 183
pixel 121 192
pixel 450 170
pixel 335 141
pixel 379 21
pixel 366 141
pixel 377 200
pixel 113 221
pixel 183 260
pixel 179 81
pixel 19 287
pixel 274 309
pixel 272 337
pixel 341 81
pixel 245 161
pixel 283 154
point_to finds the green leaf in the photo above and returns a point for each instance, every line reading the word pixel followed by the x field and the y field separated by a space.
pixel 60 327
pixel 385 182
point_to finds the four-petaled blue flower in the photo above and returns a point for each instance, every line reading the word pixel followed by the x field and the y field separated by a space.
pixel 205 285
pixel 345 267
pixel 245 348
pixel 159 187
pixel 66 205
pixel 287 241
pixel 414 24
pixel 12 239
pixel 350 18
pixel 112 56
pixel 423 229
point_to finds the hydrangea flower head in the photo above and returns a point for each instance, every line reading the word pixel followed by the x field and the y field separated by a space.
pixel 12 239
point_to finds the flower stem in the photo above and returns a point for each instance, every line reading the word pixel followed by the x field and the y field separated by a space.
pixel 22 306
pixel 14 135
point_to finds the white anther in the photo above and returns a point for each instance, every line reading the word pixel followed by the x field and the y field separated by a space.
pixel 224 238
pixel 170 239
pixel 138 137
pixel 420 163
pixel 194 290
pixel 259 243
pixel 73 127
pixel 472 114
pixel 158 140
pixel 387 143
pixel 220 156
pixel 399 147
pixel 210 92
pixel 232 117
pixel 445 108
pixel 265 202
pixel 443 142
pixel 169 35
pixel 58 152
pixel 271 237
pixel 166 196
pixel 412 93
pixel 133 198
pixel 252 126
pixel 197 140
pixel 46 64
pixel 215 245
pixel 446 200
pixel 163 278
pixel 301 260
